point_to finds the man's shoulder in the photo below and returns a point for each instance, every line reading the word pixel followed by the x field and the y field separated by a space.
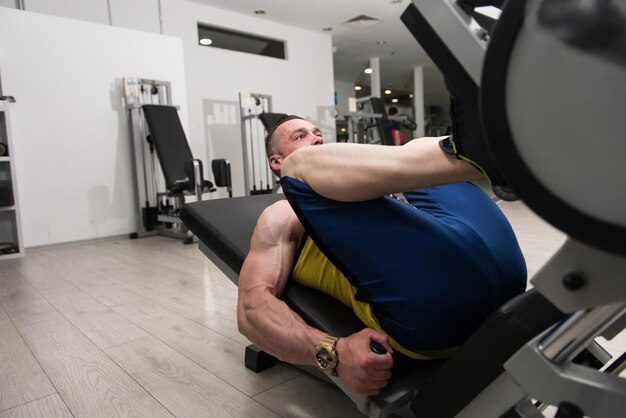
pixel 279 211
pixel 280 217
pixel 280 207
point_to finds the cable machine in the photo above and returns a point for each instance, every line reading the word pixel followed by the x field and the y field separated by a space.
pixel 258 177
pixel 165 171
pixel 370 124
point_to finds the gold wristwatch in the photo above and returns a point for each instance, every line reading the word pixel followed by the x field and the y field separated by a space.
pixel 326 355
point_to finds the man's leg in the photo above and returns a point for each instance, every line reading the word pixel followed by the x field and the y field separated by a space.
pixel 431 271
pixel 356 172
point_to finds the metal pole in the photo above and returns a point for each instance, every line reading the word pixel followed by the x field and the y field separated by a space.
pixel 578 331
pixel 244 144
pixel 252 155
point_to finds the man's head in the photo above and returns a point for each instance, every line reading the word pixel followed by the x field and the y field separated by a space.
pixel 289 134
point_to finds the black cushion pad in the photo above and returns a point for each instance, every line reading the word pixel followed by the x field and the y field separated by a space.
pixel 481 358
pixel 226 225
pixel 169 140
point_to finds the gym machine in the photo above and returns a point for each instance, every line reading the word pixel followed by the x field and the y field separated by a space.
pixel 165 170
pixel 538 75
pixel 549 78
pixel 371 124
pixel 256 119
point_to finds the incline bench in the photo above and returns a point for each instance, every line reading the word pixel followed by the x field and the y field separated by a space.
pixel 435 388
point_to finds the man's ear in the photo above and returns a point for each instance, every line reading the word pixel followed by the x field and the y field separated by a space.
pixel 276 161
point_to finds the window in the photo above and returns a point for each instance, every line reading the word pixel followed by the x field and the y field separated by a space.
pixel 213 37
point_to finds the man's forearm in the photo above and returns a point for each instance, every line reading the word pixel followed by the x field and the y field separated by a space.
pixel 271 325
pixel 355 172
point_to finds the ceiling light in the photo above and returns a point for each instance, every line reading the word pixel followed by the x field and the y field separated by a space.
pixel 394 100
pixel 387 91
pixel 358 88
pixel 259 12
pixel 327 29
pixel 368 71
pixel 343 129
pixel 205 41
pixel 411 95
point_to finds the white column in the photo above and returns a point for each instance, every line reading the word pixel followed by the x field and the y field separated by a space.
pixel 375 76
pixel 418 100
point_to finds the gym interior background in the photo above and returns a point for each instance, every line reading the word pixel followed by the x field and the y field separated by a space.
pixel 81 278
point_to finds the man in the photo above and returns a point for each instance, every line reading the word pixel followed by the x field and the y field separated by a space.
pixel 421 273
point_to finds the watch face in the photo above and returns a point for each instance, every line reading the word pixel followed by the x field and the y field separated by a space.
pixel 325 358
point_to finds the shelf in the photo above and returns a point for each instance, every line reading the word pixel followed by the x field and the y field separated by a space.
pixel 8 249
pixel 12 255
pixel 11 244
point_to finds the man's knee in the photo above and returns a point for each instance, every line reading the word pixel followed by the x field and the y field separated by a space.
pixel 293 165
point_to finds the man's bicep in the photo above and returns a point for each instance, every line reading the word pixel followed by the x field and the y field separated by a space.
pixel 258 271
pixel 268 263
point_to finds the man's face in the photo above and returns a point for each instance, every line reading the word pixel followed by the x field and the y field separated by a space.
pixel 290 136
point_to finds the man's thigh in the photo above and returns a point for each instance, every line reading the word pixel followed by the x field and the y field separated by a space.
pixel 427 269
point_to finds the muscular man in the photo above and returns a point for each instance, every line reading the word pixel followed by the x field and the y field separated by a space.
pixel 421 273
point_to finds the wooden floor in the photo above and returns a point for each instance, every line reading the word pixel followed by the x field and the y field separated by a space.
pixel 148 328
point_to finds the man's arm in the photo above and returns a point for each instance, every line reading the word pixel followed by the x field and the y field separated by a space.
pixel 261 316
pixel 270 324
pixel 356 172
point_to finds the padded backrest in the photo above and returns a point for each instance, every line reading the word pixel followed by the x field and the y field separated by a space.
pixel 270 119
pixel 169 140
pixel 221 172
pixel 226 225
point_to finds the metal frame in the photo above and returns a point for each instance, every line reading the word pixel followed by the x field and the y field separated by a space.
pixel 353 119
pixel 148 175
pixel 12 211
pixel 585 281
pixel 253 145
pixel 459 31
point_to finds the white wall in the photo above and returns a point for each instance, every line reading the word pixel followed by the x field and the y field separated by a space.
pixel 96 11
pixel 73 163
pixel 135 14
pixel 70 131
pixel 301 84
pixel 131 14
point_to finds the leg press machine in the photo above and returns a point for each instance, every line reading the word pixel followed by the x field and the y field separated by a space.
pixel 549 78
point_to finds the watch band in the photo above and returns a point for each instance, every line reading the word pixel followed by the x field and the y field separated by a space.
pixel 331 340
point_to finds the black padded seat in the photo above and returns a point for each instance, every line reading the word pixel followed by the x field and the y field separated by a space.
pixel 481 357
pixel 175 157
pixel 226 226
pixel 443 388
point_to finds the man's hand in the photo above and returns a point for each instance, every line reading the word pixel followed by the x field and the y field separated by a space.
pixel 359 367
